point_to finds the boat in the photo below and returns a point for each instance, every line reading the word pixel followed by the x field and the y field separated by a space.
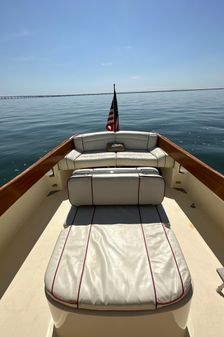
pixel 150 213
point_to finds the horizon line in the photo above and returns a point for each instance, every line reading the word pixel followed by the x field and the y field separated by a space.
pixel 105 93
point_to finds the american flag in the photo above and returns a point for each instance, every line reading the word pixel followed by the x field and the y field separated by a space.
pixel 113 118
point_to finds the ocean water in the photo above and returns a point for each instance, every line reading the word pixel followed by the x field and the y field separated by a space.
pixel 29 128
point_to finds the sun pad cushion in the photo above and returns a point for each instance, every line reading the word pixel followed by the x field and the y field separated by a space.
pixel 117 258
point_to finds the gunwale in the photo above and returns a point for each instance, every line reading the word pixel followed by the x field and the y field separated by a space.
pixel 14 189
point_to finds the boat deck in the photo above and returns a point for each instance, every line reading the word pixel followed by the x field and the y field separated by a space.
pixel 24 309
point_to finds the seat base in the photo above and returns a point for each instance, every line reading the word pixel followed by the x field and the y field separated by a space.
pixel 84 323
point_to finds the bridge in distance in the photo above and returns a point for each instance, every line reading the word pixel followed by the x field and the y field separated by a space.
pixel 103 93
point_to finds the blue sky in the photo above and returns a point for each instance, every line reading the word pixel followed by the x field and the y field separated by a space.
pixel 57 47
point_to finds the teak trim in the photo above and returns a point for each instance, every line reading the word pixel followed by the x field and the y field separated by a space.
pixel 209 177
pixel 14 189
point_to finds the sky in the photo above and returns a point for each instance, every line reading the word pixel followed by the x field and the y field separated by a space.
pixel 83 46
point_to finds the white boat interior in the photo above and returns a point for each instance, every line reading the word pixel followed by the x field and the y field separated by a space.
pixel 123 180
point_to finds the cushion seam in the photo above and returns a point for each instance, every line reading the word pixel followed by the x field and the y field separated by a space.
pixel 84 261
pixel 91 177
pixel 59 261
pixel 138 187
pixel 83 149
pixel 147 149
pixel 147 253
pixel 177 266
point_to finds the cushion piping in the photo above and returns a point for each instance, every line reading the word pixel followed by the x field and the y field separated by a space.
pixel 59 261
pixel 147 253
pixel 84 261
pixel 178 270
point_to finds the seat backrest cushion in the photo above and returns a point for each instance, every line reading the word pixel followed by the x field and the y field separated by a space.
pixel 116 187
pixel 93 141
pixel 132 140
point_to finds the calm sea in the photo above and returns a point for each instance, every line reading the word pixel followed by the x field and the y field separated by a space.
pixel 29 128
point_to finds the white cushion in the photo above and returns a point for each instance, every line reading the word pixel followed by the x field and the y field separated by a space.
pixel 136 140
pixel 117 258
pixel 131 158
pixel 140 150
pixel 133 140
pixel 68 163
pixel 97 159
pixel 93 141
pixel 116 187
pixel 155 158
pixel 163 160
pixel 153 139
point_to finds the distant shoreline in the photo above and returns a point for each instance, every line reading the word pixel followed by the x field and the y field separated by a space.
pixel 104 93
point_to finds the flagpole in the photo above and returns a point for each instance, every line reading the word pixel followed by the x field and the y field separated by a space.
pixel 113 105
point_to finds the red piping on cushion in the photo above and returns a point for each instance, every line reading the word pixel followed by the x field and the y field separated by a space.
pixel 181 280
pixel 52 286
pixel 63 301
pixel 84 261
pixel 150 267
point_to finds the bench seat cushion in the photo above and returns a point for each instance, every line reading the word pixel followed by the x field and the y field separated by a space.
pixel 77 160
pixel 136 158
pixel 95 159
pixel 140 149
pixel 117 258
